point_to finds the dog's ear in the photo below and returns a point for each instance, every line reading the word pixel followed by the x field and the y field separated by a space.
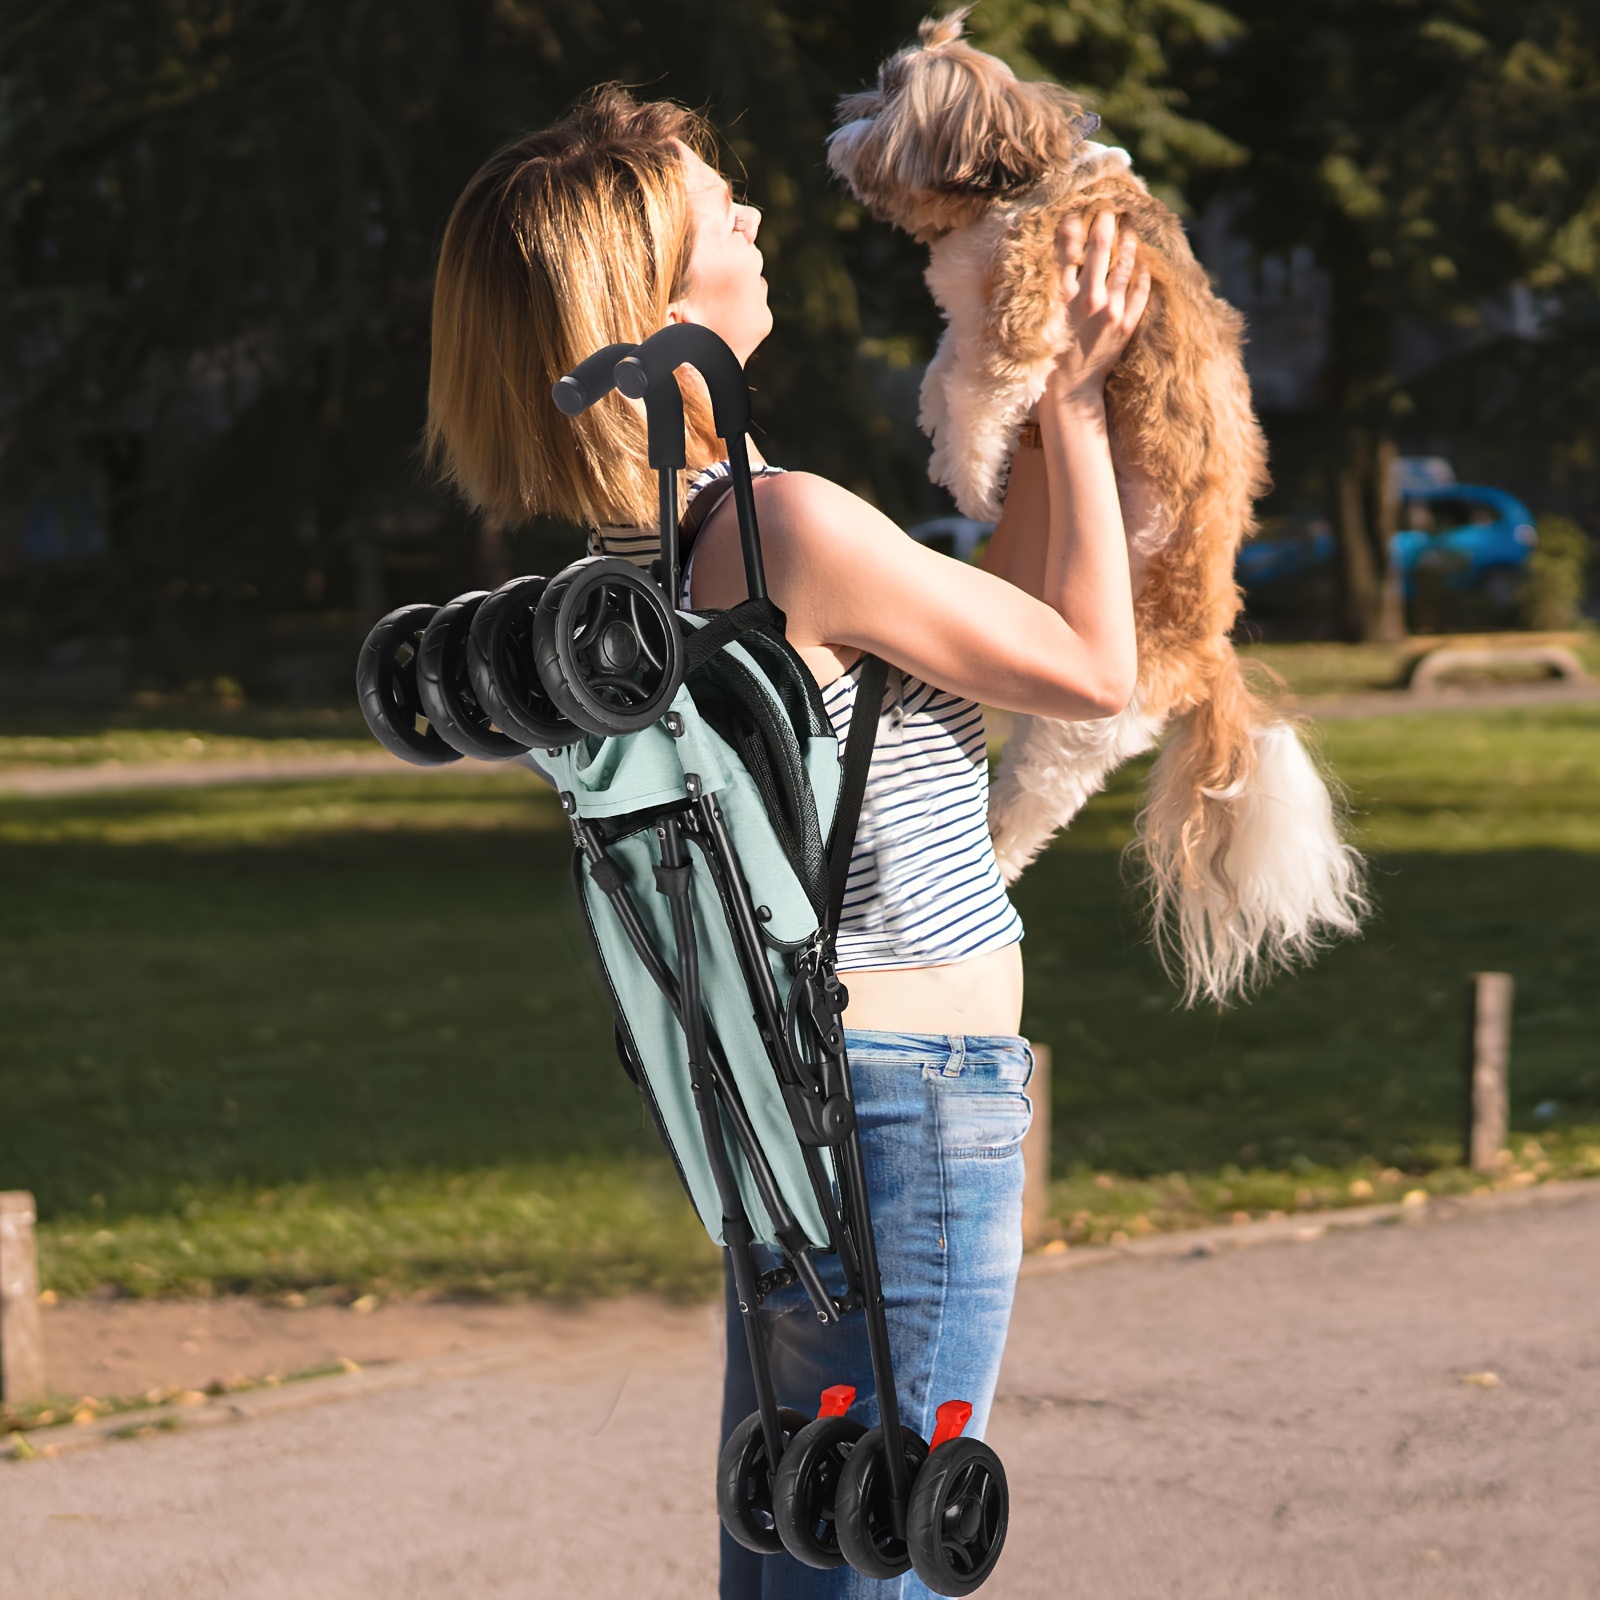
pixel 995 136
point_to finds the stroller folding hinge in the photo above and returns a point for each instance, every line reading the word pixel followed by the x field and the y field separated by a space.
pixel 820 1105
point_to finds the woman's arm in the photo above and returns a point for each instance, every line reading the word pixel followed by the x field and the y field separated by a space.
pixel 1060 535
pixel 845 575
pixel 1016 549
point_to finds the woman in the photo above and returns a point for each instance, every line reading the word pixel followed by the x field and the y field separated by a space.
pixel 606 227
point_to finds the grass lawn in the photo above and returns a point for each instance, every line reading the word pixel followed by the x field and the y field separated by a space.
pixel 344 1038
pixel 198 731
pixel 1330 669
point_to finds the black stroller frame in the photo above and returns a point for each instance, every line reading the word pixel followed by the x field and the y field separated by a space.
pixel 828 1490
pixel 827 1118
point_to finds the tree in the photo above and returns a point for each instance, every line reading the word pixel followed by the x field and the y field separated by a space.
pixel 1433 155
pixel 216 269
pixel 214 289
pixel 221 218
pixel 1119 59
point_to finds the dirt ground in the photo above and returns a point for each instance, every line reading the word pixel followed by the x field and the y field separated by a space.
pixel 122 1348
pixel 1403 1412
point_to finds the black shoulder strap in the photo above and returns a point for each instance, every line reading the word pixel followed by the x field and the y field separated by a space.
pixel 698 513
pixel 728 625
pixel 700 644
pixel 853 782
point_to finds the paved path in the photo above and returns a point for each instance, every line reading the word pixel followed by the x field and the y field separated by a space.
pixel 41 781
pixel 1392 703
pixel 1282 1423
pixel 216 774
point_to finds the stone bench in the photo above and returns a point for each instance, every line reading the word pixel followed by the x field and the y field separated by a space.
pixel 1433 666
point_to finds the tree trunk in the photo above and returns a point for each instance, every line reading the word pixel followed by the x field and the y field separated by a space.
pixel 1358 569
pixel 1391 628
pixel 492 557
pixel 366 558
pixel 1368 513
pixel 1360 363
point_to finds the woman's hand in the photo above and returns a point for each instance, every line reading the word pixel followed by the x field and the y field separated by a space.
pixel 1105 298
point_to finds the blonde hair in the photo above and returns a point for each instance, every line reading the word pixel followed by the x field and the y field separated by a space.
pixel 563 242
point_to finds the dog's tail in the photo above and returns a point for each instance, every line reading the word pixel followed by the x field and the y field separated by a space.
pixel 1244 856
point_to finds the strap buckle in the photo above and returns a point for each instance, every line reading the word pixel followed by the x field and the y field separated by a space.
pixel 816 956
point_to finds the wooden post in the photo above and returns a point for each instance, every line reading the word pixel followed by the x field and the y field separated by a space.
pixel 1486 1062
pixel 21 1337
pixel 1036 1153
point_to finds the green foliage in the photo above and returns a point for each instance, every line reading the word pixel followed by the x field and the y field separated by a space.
pixel 349 1034
pixel 1118 59
pixel 1552 597
pixel 1433 156
pixel 216 273
pixel 216 270
pixel 221 216
pixel 217 254
pixel 1434 161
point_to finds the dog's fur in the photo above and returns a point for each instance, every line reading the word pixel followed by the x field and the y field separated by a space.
pixel 1245 863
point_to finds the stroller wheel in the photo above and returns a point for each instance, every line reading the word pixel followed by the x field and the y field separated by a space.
pixel 607 646
pixel 446 691
pixel 804 1485
pixel 862 1512
pixel 744 1482
pixel 500 667
pixel 386 686
pixel 956 1526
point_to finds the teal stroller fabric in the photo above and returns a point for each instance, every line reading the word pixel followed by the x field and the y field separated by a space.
pixel 748 733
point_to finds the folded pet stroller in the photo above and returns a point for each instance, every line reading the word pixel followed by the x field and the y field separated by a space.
pixel 701 777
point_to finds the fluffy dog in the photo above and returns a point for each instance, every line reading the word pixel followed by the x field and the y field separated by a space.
pixel 1244 859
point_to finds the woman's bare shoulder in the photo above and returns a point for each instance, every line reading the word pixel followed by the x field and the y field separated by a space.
pixel 821 519
pixel 809 525
pixel 802 495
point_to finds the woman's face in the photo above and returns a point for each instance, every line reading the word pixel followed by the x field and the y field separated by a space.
pixel 723 288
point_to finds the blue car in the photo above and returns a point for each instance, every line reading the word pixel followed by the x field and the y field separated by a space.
pixel 1477 538
pixel 1474 538
pixel 1468 538
pixel 1305 549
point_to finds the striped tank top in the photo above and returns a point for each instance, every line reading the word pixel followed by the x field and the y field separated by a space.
pixel 924 888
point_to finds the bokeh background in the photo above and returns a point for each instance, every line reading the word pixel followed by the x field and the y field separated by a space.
pixel 306 1032
pixel 221 219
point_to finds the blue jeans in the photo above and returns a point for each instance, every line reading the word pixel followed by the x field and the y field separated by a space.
pixel 942 1118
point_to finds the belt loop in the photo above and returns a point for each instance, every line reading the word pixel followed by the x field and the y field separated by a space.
pixel 958 1055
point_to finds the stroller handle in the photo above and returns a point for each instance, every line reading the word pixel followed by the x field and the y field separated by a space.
pixel 650 374
pixel 689 344
pixel 590 380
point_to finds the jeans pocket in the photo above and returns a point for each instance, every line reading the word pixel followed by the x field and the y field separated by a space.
pixel 983 1113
